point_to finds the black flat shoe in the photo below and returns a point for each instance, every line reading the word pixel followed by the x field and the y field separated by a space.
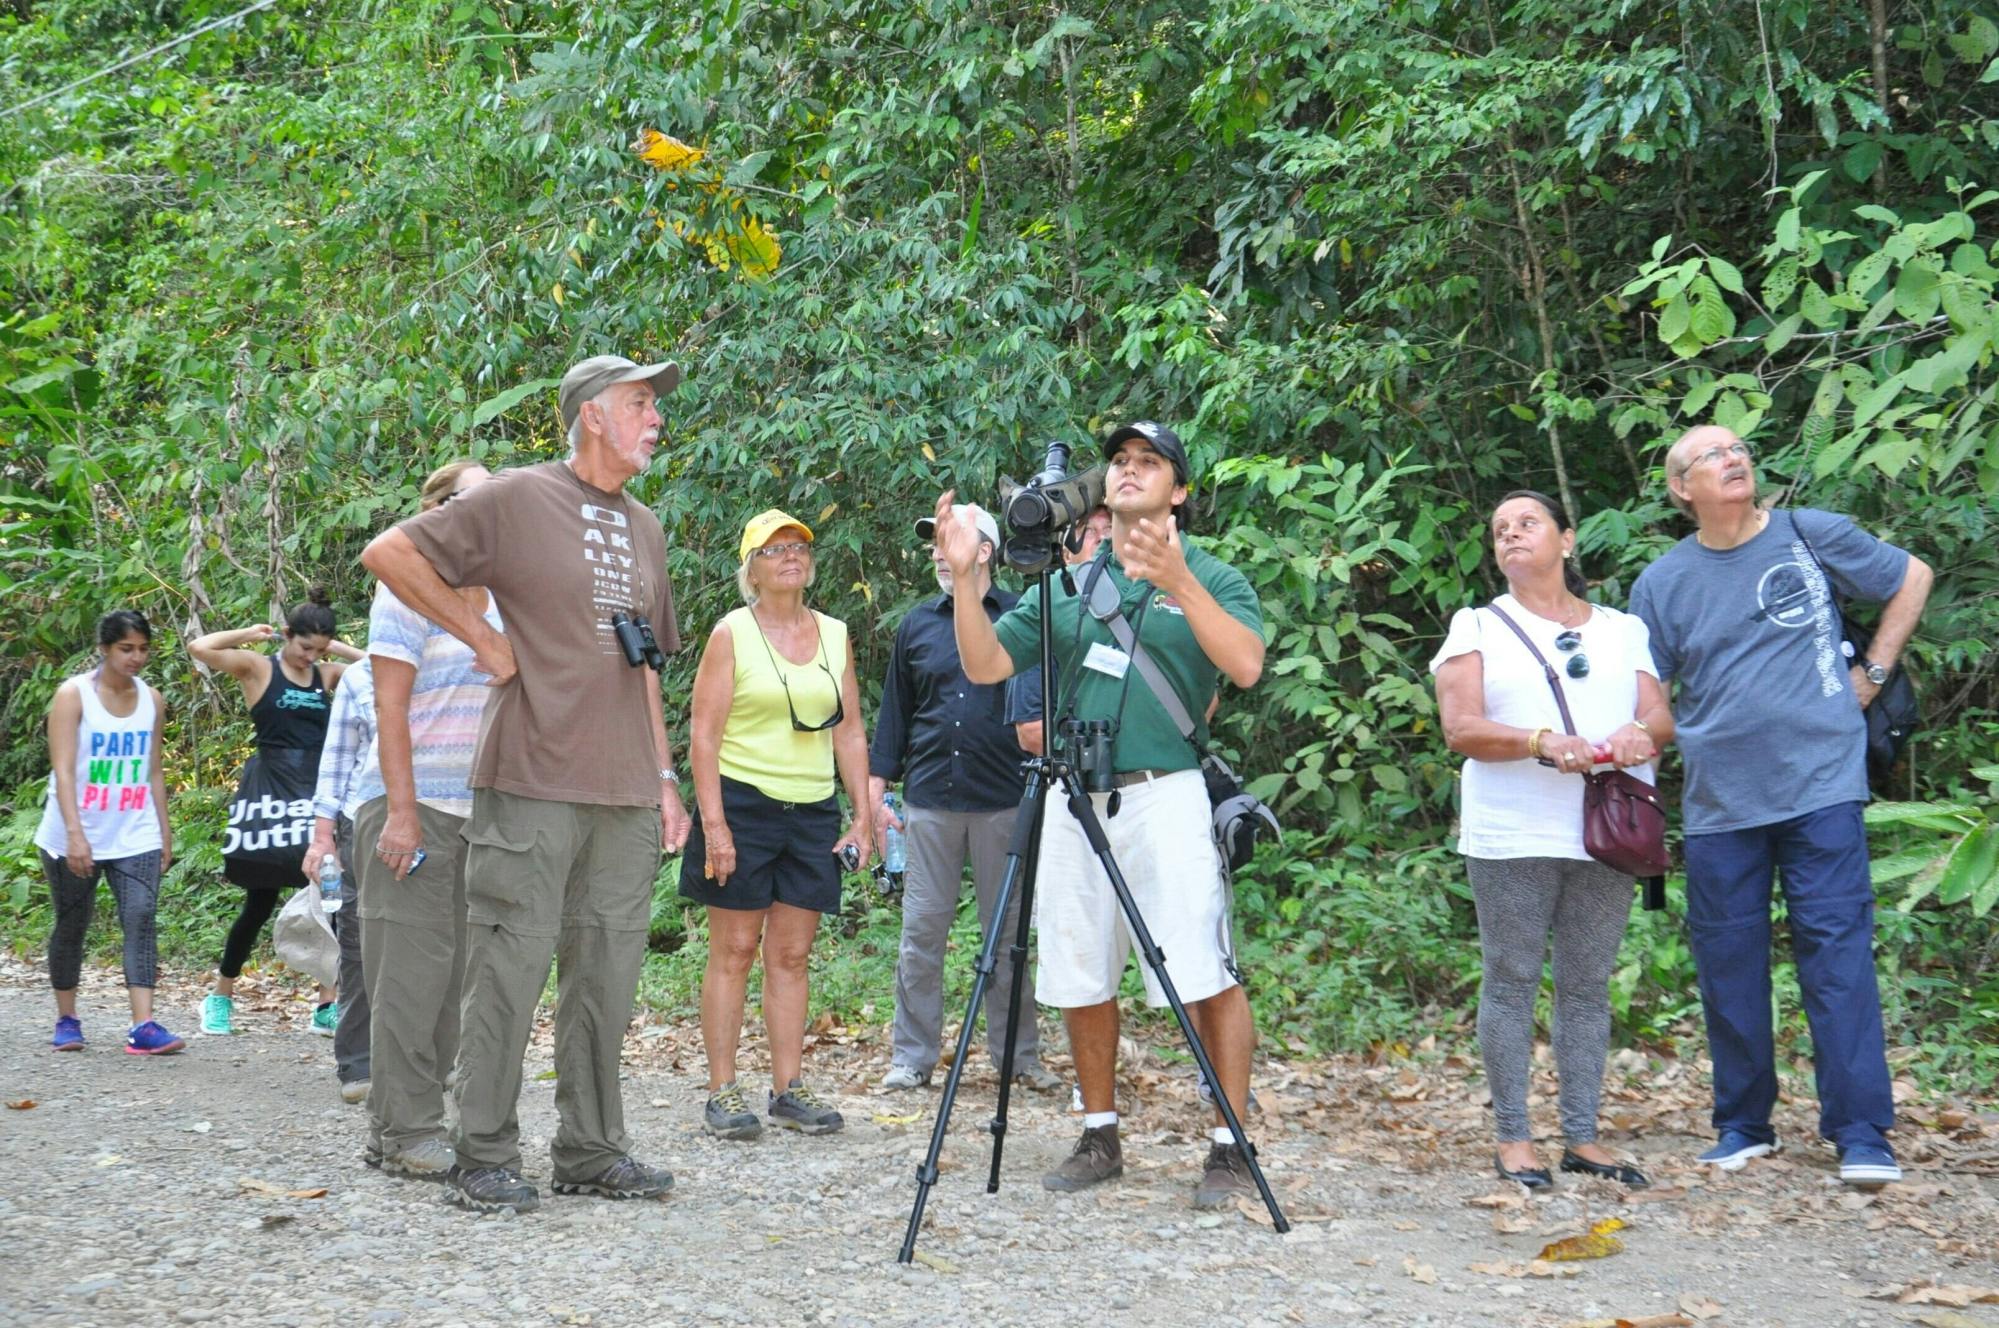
pixel 1616 1171
pixel 1534 1178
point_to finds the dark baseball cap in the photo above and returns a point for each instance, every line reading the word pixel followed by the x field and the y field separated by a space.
pixel 1160 438
pixel 587 379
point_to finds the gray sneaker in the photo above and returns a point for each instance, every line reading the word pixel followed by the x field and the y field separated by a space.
pixel 1226 1177
pixel 354 1092
pixel 728 1116
pixel 1034 1075
pixel 799 1108
pixel 427 1159
pixel 492 1190
pixel 1098 1157
pixel 902 1076
pixel 626 1178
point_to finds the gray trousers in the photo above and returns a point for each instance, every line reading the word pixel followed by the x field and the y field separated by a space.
pixel 413 953
pixel 940 844
pixel 350 1035
pixel 1520 900
pixel 572 883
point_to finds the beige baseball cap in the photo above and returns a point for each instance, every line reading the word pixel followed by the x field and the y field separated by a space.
pixel 926 526
pixel 588 378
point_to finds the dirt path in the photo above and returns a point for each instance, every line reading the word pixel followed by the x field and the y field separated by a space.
pixel 150 1191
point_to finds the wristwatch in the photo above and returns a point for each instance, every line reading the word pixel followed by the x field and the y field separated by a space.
pixel 669 776
pixel 1876 673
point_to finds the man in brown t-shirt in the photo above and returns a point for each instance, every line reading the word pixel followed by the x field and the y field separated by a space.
pixel 574 790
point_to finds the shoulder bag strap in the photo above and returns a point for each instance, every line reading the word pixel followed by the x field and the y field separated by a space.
pixel 1101 598
pixel 1554 682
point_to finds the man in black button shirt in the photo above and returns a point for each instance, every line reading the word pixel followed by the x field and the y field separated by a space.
pixel 945 739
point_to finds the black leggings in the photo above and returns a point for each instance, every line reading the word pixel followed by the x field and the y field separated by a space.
pixel 258 906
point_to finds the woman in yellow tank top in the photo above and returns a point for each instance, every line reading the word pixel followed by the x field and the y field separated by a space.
pixel 777 722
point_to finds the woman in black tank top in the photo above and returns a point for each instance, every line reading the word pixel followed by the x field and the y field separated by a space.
pixel 289 695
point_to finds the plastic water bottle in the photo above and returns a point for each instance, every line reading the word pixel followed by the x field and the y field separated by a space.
pixel 329 883
pixel 895 854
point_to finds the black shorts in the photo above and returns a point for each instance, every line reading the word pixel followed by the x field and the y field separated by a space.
pixel 784 853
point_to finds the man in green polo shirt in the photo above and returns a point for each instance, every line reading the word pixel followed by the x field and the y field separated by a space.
pixel 1197 618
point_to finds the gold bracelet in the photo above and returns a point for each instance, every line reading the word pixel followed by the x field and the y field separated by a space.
pixel 1534 742
pixel 1642 727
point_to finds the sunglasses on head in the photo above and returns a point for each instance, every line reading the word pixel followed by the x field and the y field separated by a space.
pixel 1570 643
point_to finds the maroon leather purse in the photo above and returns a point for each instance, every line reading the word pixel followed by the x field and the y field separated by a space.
pixel 1624 822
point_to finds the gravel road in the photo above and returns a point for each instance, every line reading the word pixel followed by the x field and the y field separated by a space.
pixel 161 1190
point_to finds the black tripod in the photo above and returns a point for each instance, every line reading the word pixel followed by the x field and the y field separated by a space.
pixel 1021 856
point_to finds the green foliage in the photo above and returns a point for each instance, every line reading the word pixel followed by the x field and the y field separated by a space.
pixel 1379 262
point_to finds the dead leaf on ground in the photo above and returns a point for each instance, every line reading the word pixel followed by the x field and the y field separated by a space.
pixel 24 1104
pixel 1512 1226
pixel 1699 1307
pixel 1404 1225
pixel 1663 1194
pixel 1537 1268
pixel 255 1186
pixel 1597 1244
pixel 1422 1272
pixel 276 1219
pixel 1514 1200
pixel 1951 1319
pixel 941 1264
pixel 885 1118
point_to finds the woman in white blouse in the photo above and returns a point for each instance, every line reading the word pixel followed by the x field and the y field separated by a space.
pixel 1521 818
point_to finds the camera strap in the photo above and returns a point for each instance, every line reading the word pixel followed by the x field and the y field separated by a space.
pixel 1100 596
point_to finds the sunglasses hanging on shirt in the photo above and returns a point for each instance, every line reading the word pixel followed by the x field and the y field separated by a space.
pixel 1570 643
pixel 839 702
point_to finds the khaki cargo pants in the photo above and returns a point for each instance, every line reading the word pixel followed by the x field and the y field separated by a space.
pixel 570 882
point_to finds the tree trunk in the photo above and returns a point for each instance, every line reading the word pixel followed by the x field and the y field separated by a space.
pixel 1878 14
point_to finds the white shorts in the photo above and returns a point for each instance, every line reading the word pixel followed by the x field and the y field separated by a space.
pixel 1162 843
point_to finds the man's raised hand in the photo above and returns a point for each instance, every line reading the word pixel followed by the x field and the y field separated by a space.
pixel 957 538
pixel 1153 553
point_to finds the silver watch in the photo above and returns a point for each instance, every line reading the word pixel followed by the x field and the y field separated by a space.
pixel 1875 673
pixel 669 776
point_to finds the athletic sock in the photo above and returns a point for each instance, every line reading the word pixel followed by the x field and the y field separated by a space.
pixel 1222 1135
pixel 1097 1119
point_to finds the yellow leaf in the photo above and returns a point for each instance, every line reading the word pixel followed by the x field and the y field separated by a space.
pixel 755 249
pixel 665 152
pixel 557 293
pixel 884 1118
pixel 1592 1246
pixel 928 455
pixel 828 510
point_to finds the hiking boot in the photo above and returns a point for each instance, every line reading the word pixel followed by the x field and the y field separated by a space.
pixel 903 1076
pixel 728 1116
pixel 427 1159
pixel 326 1018
pixel 1032 1074
pixel 217 1015
pixel 149 1039
pixel 492 1190
pixel 799 1108
pixel 1098 1157
pixel 355 1092
pixel 1226 1177
pixel 69 1033
pixel 626 1178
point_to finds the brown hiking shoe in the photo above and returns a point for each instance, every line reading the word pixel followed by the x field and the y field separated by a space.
pixel 1226 1177
pixel 1098 1157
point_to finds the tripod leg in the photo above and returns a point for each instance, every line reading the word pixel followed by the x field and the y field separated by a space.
pixel 1025 822
pixel 1017 956
pixel 1155 959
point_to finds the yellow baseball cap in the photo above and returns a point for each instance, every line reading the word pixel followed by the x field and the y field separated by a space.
pixel 765 524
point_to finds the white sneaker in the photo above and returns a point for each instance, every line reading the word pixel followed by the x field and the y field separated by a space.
pixel 902 1076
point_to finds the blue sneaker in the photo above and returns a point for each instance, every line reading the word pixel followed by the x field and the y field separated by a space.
pixel 69 1034
pixel 149 1039
pixel 1868 1166
pixel 1734 1149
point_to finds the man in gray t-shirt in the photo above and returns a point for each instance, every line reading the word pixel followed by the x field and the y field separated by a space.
pixel 1768 717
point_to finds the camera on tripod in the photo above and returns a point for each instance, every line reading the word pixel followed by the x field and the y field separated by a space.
pixel 1037 512
pixel 635 638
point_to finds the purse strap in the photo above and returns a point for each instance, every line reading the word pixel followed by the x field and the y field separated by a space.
pixel 1554 682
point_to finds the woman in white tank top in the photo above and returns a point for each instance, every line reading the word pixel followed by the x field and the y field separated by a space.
pixel 106 814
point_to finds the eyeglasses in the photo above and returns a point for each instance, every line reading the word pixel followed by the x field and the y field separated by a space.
pixel 839 702
pixel 798 547
pixel 1570 643
pixel 1738 448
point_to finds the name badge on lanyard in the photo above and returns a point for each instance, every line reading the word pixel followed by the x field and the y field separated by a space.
pixel 1107 659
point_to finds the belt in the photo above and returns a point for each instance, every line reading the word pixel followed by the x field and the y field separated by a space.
pixel 1126 778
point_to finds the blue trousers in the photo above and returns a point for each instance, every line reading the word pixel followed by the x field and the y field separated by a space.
pixel 1821 859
